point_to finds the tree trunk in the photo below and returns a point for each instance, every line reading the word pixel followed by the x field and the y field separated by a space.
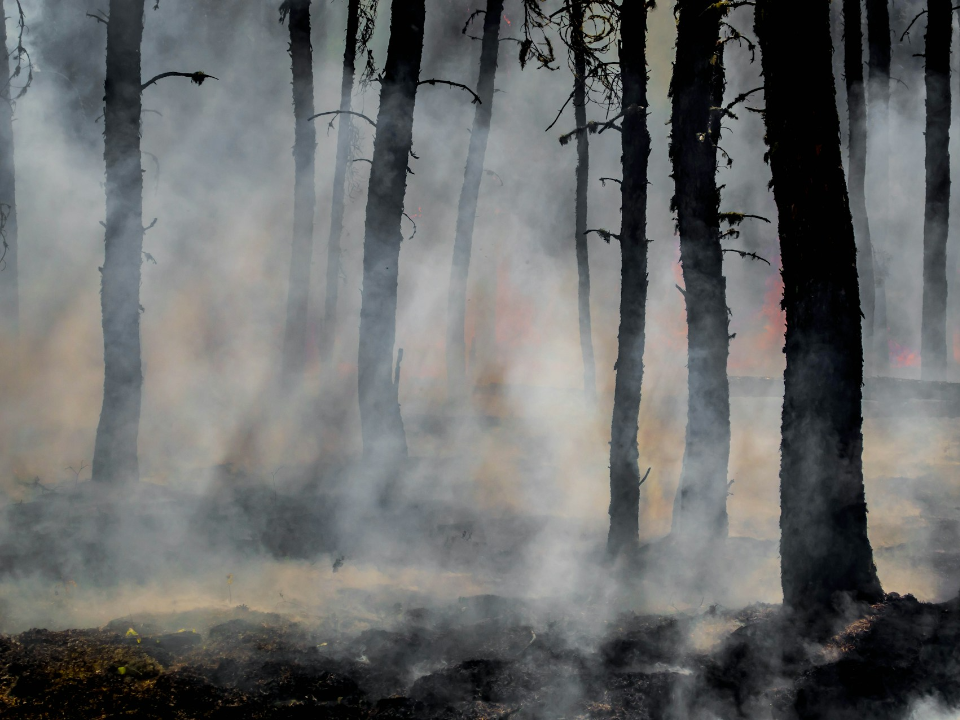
pixel 9 279
pixel 380 420
pixel 344 147
pixel 824 549
pixel 700 509
pixel 878 39
pixel 304 194
pixel 583 180
pixel 467 210
pixel 857 117
pixel 936 216
pixel 624 471
pixel 115 451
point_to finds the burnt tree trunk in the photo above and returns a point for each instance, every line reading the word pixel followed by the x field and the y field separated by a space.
pixel 9 272
pixel 824 549
pixel 344 141
pixel 624 471
pixel 304 194
pixel 700 509
pixel 879 44
pixel 380 420
pixel 467 209
pixel 936 216
pixel 115 451
pixel 583 180
pixel 857 118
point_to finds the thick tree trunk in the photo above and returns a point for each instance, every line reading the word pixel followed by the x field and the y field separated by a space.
pixel 9 271
pixel 583 180
pixel 304 194
pixel 857 117
pixel 624 471
pixel 344 134
pixel 467 210
pixel 824 549
pixel 380 419
pixel 700 509
pixel 936 216
pixel 878 40
pixel 115 452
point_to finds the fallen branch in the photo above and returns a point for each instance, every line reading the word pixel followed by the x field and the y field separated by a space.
pixel 195 77
pixel 434 81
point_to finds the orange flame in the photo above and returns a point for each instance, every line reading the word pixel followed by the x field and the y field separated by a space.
pixel 902 357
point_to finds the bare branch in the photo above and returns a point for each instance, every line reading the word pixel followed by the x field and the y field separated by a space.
pixel 343 112
pixel 605 234
pixel 562 108
pixel 414 226
pixel 434 81
pixel 645 476
pixel 744 254
pixel 603 181
pixel 99 18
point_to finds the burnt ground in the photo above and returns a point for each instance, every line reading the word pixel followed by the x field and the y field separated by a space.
pixel 478 659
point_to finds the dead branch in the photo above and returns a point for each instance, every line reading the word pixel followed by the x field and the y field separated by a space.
pixel 343 112
pixel 414 226
pixel 645 476
pixel 493 174
pixel 744 254
pixel 726 110
pixel 434 81
pixel 195 77
pixel 605 234
pixel 616 180
pixel 99 18
pixel 735 218
pixel 560 112
pixel 917 17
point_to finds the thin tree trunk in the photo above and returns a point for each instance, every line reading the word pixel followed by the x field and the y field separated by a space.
pixel 304 193
pixel 879 44
pixel 936 216
pixel 115 451
pixel 700 509
pixel 467 210
pixel 583 180
pixel 380 419
pixel 857 116
pixel 344 142
pixel 824 549
pixel 624 471
pixel 9 271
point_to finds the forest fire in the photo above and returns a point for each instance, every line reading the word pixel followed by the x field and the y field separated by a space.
pixel 277 442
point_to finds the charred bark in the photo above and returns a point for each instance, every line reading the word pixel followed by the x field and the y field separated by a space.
pixel 624 471
pixel 936 216
pixel 9 271
pixel 115 451
pixel 879 44
pixel 304 194
pixel 700 509
pixel 344 143
pixel 578 41
pixel 857 119
pixel 467 209
pixel 824 548
pixel 380 419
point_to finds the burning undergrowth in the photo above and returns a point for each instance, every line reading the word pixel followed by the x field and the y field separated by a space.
pixel 487 657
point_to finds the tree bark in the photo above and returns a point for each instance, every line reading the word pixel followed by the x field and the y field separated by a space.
pixel 583 180
pixel 380 419
pixel 344 149
pixel 467 209
pixel 824 549
pixel 879 44
pixel 857 118
pixel 700 509
pixel 304 193
pixel 936 216
pixel 115 451
pixel 624 471
pixel 9 271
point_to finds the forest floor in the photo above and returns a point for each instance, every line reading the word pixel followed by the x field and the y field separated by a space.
pixel 480 658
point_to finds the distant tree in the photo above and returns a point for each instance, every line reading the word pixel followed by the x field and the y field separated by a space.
pixel 467 208
pixel 824 549
pixel 9 265
pixel 115 451
pixel 624 470
pixel 936 217
pixel 857 118
pixel 304 190
pixel 878 97
pixel 700 509
pixel 380 419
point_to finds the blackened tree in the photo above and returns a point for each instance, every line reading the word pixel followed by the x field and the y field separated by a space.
pixel 824 548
